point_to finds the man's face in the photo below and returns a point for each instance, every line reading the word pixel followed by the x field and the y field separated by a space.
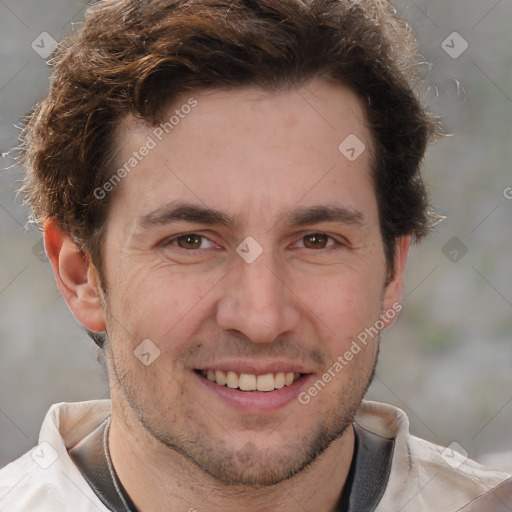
pixel 245 171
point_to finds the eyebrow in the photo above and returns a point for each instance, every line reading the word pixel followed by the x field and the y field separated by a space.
pixel 315 214
pixel 184 212
pixel 300 216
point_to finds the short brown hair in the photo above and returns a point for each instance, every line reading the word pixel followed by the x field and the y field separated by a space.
pixel 135 57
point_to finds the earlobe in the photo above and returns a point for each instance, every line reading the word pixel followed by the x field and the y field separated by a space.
pixel 394 290
pixel 76 276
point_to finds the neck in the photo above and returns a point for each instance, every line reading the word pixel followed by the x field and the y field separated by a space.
pixel 158 478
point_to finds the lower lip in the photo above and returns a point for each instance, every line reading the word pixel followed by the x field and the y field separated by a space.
pixel 254 401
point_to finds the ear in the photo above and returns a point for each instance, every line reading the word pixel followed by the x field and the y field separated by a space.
pixel 394 291
pixel 77 278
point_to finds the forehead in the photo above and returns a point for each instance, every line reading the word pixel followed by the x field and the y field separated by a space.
pixel 250 149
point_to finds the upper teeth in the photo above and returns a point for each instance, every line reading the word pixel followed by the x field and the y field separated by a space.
pixel 249 382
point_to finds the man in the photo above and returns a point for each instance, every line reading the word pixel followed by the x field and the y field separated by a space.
pixel 228 192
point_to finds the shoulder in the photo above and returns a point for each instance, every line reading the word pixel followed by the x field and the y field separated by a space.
pixel 425 476
pixel 440 478
pixel 26 485
pixel 45 478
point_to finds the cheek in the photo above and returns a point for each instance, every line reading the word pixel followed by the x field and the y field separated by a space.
pixel 346 303
pixel 160 303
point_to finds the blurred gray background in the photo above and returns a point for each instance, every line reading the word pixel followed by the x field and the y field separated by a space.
pixel 448 360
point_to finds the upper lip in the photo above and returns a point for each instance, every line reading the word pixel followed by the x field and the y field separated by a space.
pixel 255 367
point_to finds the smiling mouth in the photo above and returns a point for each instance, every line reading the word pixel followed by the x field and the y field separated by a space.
pixel 250 382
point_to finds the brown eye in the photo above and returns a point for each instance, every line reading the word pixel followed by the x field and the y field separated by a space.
pixel 190 241
pixel 316 241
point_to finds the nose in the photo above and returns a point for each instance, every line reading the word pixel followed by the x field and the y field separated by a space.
pixel 257 301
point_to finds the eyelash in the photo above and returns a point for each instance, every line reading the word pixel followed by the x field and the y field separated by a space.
pixel 175 238
pixel 331 242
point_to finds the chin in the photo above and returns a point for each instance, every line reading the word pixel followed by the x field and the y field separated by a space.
pixel 256 466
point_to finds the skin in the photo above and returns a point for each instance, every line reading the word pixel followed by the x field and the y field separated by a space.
pixel 257 157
